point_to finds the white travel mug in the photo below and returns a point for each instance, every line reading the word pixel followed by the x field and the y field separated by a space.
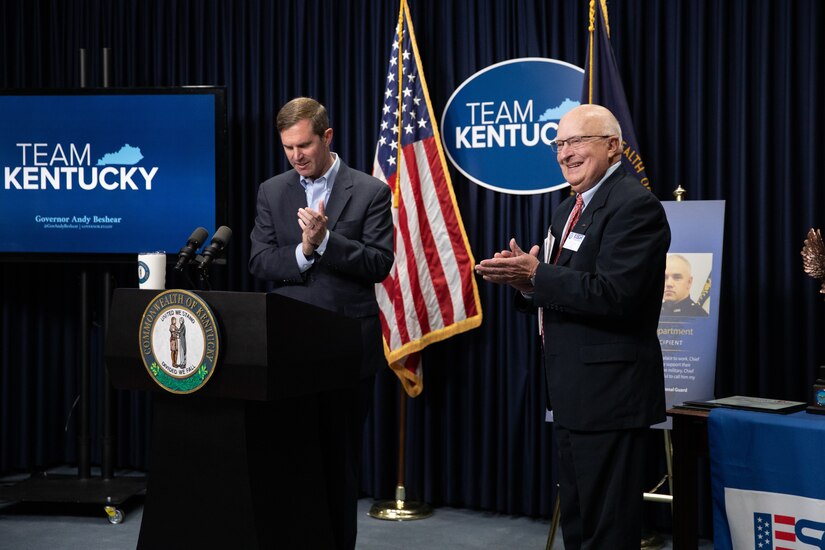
pixel 152 270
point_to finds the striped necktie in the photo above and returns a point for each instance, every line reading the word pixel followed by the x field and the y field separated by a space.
pixel 574 219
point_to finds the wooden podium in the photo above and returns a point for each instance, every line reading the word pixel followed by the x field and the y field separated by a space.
pixel 237 464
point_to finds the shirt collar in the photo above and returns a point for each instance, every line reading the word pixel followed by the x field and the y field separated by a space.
pixel 328 178
pixel 587 195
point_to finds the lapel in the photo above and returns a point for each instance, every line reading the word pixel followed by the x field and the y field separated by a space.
pixel 340 195
pixel 596 203
pixel 558 224
pixel 295 198
pixel 558 228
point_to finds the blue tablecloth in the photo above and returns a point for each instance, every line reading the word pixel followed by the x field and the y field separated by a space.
pixel 768 477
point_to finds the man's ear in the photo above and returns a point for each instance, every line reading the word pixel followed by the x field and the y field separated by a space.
pixel 328 136
pixel 617 143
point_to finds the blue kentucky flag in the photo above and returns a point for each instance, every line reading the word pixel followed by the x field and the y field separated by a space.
pixel 603 86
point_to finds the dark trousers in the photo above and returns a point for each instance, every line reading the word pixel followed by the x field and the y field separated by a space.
pixel 342 419
pixel 601 486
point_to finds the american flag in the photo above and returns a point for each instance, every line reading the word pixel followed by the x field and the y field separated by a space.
pixel 431 293
pixel 774 532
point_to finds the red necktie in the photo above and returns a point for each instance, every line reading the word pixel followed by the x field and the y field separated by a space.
pixel 574 219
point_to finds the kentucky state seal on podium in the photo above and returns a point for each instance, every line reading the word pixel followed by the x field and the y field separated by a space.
pixel 179 341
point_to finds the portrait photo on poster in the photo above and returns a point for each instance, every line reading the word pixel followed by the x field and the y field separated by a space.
pixel 687 285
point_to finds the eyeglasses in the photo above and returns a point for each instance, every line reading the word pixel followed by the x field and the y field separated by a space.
pixel 574 142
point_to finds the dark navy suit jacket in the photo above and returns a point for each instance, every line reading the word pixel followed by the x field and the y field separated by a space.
pixel 602 355
pixel 359 252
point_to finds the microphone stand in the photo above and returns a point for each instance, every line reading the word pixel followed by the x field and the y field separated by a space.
pixel 203 275
pixel 185 271
pixel 203 272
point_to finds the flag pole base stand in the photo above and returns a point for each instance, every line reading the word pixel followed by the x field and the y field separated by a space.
pixel 400 509
pixel 652 541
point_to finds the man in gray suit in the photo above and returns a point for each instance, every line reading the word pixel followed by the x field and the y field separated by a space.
pixel 599 289
pixel 324 235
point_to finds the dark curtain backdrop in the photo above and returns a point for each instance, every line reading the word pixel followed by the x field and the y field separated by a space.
pixel 726 97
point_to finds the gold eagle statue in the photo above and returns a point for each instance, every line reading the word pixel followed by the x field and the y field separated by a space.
pixel 813 257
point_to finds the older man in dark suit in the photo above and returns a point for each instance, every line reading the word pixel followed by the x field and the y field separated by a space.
pixel 599 290
pixel 324 235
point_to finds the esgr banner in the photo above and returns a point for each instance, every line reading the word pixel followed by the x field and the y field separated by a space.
pixel 497 126
pixel 767 483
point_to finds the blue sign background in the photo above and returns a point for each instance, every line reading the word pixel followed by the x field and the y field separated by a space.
pixel 697 227
pixel 520 169
pixel 175 132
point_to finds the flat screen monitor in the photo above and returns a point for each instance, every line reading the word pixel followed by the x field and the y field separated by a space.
pixel 105 174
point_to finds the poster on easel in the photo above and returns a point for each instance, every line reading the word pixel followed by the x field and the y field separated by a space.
pixel 689 322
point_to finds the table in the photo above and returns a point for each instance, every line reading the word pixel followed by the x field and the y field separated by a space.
pixel 689 436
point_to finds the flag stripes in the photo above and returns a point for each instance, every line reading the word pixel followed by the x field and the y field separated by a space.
pixel 431 293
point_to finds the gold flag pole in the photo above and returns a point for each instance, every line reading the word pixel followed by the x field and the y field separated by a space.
pixel 400 509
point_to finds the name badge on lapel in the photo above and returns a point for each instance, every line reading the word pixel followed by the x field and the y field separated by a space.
pixel 574 241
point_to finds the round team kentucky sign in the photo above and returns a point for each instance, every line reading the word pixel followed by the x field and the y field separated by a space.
pixel 179 341
pixel 498 125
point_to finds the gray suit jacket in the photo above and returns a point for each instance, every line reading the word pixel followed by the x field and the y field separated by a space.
pixel 359 252
pixel 602 302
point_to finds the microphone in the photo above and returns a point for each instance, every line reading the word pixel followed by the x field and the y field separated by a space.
pixel 219 241
pixel 196 239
